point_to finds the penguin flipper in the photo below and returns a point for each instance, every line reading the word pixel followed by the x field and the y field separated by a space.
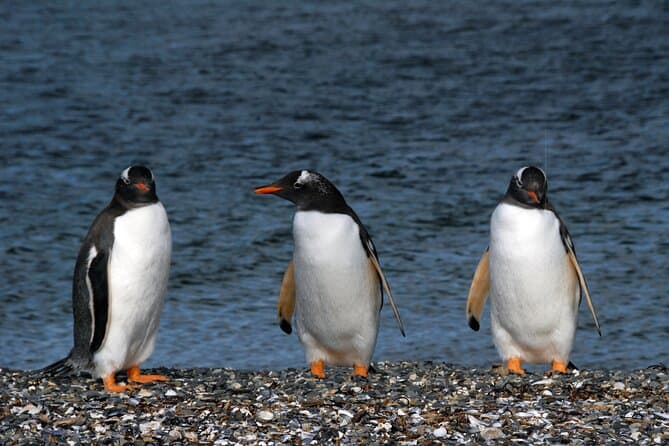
pixel 571 254
pixel 287 299
pixel 374 261
pixel 584 286
pixel 478 292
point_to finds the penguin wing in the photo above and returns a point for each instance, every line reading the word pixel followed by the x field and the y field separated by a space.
pixel 97 275
pixel 89 303
pixel 573 261
pixel 369 247
pixel 478 292
pixel 287 299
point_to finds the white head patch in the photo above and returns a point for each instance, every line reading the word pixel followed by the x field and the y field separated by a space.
pixel 124 174
pixel 305 177
pixel 519 174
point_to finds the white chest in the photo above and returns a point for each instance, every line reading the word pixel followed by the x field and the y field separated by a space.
pixel 332 274
pixel 138 274
pixel 517 232
pixel 327 239
pixel 528 262
pixel 142 236
pixel 337 293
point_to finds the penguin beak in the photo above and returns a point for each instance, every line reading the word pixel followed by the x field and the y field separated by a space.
pixel 267 189
pixel 141 186
pixel 533 195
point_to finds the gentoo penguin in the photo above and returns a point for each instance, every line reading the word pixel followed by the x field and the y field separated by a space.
pixel 533 278
pixel 334 282
pixel 119 285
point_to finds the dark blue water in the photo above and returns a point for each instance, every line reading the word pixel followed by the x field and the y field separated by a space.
pixel 420 114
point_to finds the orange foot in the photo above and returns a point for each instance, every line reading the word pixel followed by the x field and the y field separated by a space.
pixel 318 369
pixel 360 370
pixel 111 385
pixel 559 367
pixel 134 375
pixel 513 364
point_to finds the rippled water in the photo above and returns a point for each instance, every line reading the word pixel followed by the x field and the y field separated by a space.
pixel 420 113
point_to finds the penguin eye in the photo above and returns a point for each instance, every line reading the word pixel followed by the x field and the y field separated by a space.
pixel 126 180
pixel 297 185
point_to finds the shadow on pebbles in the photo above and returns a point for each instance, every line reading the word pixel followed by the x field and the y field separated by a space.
pixel 402 403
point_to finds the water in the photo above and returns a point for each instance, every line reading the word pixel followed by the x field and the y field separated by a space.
pixel 420 114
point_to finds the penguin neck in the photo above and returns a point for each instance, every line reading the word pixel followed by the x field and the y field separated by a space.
pixel 121 203
pixel 329 205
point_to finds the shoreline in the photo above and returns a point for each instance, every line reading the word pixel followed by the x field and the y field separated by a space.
pixel 403 402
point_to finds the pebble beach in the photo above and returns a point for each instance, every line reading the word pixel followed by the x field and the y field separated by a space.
pixel 399 403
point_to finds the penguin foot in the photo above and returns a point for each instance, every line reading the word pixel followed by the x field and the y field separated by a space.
pixel 111 386
pixel 513 365
pixel 318 369
pixel 360 370
pixel 134 375
pixel 558 367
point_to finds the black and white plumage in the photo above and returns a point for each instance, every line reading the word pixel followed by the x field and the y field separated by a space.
pixel 120 281
pixel 532 275
pixel 334 282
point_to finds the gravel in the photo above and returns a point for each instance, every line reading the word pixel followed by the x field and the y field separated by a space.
pixel 401 403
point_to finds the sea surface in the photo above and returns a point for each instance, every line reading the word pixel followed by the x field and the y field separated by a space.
pixel 419 112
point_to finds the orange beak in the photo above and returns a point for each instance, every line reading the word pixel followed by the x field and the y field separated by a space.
pixel 142 187
pixel 267 189
pixel 533 195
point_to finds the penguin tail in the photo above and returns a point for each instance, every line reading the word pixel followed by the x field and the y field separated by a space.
pixel 63 367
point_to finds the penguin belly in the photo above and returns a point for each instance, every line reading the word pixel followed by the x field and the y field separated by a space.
pixel 138 272
pixel 534 293
pixel 337 293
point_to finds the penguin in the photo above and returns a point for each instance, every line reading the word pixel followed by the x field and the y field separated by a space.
pixel 533 278
pixel 334 283
pixel 119 285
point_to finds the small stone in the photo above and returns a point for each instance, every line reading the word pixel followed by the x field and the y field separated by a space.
pixel 344 413
pixel 440 432
pixel 265 415
pixel 547 393
pixel 235 386
pixel 618 386
pixel 491 433
pixel 175 435
pixel 145 393
pixel 170 392
pixel 32 409
pixel 150 426
pixel 415 419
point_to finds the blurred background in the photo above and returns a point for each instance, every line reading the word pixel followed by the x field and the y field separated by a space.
pixel 419 113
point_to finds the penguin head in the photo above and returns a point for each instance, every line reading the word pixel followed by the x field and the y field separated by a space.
pixel 136 185
pixel 309 190
pixel 529 186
